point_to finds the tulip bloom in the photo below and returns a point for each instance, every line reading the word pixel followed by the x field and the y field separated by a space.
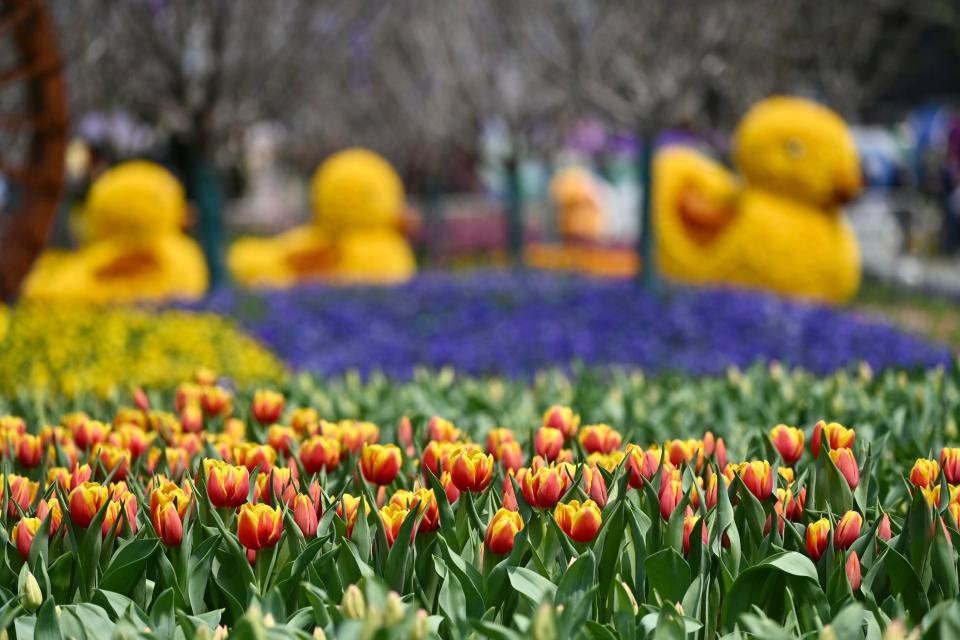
pixel 426 503
pixel 380 463
pixel 215 400
pixel 305 420
pixel 267 406
pixel 114 459
pixel 852 569
pixel 283 485
pixel 847 465
pixel 563 419
pixel 599 438
pixel 259 526
pixel 497 437
pixel 85 501
pixel 191 418
pixel 87 433
pixel 51 506
pixel 924 473
pixel 305 515
pixel 446 481
pixel 227 485
pixel 251 454
pixel 581 522
pixel 23 533
pixel 543 488
pixel 758 476
pixel 510 455
pixel 838 436
pixel 818 534
pixel 689 522
pixel 848 530
pixel 788 442
pixel 351 505
pixel 281 438
pixel 680 451
pixel 608 461
pixel 643 464
pixel 393 516
pixel 502 530
pixel 436 455
pixel 319 452
pixel 950 462
pixel 29 450
pixel 442 430
pixel 471 470
pixel 548 442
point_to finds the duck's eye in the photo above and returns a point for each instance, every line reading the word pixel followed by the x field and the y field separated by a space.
pixel 794 148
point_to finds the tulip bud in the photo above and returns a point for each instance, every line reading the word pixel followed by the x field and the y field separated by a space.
pixel 23 533
pixel 394 610
pixel 30 595
pixel 543 626
pixel 351 504
pixel 848 530
pixel 847 465
pixel 510 455
pixel 595 486
pixel 852 568
pixel 758 477
pixel 497 437
pixel 168 523
pixel 788 441
pixel 453 493
pixel 29 450
pixel 305 515
pixel 562 419
pixel 503 528
pixel 353 606
pixel 548 442
pixel 579 521
pixel 883 531
pixel 671 492
pixel 380 463
pixel 817 537
pixel 689 523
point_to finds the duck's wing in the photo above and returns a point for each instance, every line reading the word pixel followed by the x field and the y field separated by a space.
pixel 695 196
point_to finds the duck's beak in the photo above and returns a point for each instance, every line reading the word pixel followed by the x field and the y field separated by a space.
pixel 847 186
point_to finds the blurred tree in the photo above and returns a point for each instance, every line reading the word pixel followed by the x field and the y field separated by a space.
pixel 202 71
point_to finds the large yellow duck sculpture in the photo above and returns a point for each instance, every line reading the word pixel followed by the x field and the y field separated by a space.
pixel 357 200
pixel 779 226
pixel 133 248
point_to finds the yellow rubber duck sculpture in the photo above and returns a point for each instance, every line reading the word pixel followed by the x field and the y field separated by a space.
pixel 580 218
pixel 357 200
pixel 133 248
pixel 777 226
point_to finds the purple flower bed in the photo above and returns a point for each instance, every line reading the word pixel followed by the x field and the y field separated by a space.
pixel 510 324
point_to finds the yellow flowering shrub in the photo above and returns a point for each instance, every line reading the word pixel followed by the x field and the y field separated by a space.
pixel 88 349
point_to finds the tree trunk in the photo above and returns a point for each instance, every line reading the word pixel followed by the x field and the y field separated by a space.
pixel 205 189
pixel 40 180
pixel 514 211
pixel 646 243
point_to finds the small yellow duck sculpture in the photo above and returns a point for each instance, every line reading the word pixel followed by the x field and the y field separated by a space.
pixel 780 226
pixel 580 219
pixel 357 201
pixel 133 247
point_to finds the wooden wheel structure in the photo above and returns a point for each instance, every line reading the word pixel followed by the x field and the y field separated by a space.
pixel 33 136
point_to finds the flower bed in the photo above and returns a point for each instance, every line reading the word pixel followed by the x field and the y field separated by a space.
pixel 695 512
pixel 498 323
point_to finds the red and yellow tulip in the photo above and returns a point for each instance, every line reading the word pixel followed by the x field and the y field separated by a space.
pixel 581 522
